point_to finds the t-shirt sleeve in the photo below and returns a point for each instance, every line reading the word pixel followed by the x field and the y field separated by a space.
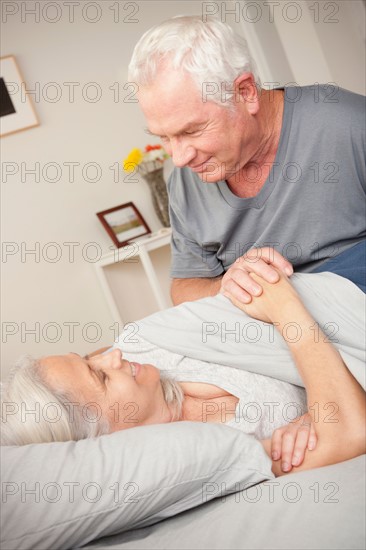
pixel 190 258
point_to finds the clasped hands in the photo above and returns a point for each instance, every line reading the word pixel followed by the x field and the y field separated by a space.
pixel 245 281
pixel 238 282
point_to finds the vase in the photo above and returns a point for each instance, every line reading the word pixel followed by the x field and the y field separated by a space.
pixel 156 182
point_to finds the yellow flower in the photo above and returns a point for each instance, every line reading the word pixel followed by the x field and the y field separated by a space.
pixel 133 159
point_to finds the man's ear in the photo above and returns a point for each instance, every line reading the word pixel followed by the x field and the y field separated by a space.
pixel 246 91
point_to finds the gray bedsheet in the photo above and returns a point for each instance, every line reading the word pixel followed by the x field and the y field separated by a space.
pixel 214 330
pixel 316 509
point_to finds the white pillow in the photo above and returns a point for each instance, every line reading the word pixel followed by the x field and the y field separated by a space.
pixel 62 495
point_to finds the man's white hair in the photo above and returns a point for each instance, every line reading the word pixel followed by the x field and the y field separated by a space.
pixel 210 52
pixel 33 412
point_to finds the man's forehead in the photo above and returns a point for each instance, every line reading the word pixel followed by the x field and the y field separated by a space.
pixel 194 123
pixel 169 85
pixel 172 104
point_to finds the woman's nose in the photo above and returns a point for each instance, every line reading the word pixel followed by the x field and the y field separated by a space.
pixel 110 360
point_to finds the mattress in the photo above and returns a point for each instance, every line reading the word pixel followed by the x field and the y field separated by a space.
pixel 322 508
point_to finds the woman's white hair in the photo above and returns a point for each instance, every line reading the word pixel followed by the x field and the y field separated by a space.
pixel 210 52
pixel 33 412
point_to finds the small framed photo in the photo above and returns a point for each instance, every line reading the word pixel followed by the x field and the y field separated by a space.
pixel 123 223
pixel 16 111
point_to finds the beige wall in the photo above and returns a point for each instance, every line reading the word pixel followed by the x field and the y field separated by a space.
pixel 36 291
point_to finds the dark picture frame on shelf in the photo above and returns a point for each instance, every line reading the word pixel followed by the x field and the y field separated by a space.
pixel 17 112
pixel 123 223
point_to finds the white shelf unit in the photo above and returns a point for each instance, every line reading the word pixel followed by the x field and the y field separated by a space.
pixel 139 250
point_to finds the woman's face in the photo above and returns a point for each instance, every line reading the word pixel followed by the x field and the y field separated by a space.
pixel 128 394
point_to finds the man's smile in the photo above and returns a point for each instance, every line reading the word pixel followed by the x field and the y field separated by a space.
pixel 199 167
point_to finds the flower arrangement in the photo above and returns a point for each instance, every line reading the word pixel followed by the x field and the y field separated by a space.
pixel 152 158
pixel 150 164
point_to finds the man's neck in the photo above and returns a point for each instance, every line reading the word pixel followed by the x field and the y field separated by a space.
pixel 251 178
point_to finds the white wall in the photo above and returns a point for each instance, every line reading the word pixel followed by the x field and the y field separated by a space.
pixel 35 290
pixel 324 41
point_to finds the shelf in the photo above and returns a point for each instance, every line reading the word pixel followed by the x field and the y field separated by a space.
pixel 132 253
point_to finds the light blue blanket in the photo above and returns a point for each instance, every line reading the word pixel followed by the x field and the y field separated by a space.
pixel 214 330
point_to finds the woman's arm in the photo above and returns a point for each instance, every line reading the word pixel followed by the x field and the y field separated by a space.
pixel 336 402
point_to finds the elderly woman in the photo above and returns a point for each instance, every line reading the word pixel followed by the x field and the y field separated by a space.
pixel 122 394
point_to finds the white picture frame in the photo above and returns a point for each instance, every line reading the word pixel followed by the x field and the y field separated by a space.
pixel 17 112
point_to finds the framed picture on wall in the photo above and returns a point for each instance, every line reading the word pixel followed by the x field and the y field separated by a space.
pixel 123 223
pixel 16 108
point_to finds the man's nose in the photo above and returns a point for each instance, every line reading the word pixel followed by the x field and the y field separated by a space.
pixel 181 153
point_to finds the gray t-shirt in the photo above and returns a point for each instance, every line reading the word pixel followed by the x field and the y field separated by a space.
pixel 311 207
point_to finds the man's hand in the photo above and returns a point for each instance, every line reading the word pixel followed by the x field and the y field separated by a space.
pixel 237 282
pixel 290 442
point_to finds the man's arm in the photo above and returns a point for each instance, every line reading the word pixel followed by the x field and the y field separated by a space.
pixel 237 281
pixel 188 290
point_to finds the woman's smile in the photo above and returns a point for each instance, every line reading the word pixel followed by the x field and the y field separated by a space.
pixel 135 367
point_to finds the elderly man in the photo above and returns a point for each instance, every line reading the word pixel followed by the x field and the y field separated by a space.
pixel 263 177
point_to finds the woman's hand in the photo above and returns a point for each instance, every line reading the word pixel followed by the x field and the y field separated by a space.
pixel 276 297
pixel 290 442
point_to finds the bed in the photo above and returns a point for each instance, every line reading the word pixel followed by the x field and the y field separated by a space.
pixel 187 484
pixel 317 509
pixel 321 508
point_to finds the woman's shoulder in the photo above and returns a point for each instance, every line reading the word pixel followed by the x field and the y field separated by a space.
pixel 201 390
pixel 208 403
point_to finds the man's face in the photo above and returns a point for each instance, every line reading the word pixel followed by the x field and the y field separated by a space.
pixel 212 140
